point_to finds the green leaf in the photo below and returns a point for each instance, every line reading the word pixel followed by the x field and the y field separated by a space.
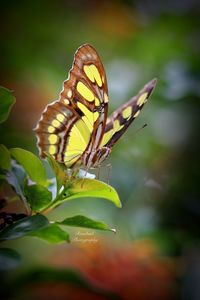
pixel 6 102
pixel 5 160
pixel 52 234
pixel 32 165
pixel 82 221
pixel 60 174
pixel 9 259
pixel 16 177
pixel 37 196
pixel 80 188
pixel 24 227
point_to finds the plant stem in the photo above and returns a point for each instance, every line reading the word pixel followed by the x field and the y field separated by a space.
pixel 56 201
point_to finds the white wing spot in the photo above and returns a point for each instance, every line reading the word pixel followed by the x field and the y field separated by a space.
pixel 69 93
pixel 105 98
pixel 66 101
pixel 89 55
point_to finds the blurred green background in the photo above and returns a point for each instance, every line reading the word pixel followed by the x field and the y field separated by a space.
pixel 156 251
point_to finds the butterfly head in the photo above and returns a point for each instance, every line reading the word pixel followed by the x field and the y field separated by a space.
pixel 94 158
pixel 100 156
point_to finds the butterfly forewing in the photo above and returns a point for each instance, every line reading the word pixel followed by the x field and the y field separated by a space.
pixel 75 124
pixel 120 119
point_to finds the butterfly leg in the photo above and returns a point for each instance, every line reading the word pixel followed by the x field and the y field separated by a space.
pixel 75 172
pixel 84 176
pixel 98 171
pixel 109 166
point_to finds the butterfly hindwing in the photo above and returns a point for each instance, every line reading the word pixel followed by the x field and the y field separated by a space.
pixel 76 122
pixel 121 118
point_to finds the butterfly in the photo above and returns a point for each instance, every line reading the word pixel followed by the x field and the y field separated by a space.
pixel 75 129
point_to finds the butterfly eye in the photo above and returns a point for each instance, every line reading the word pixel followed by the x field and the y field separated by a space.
pixel 101 155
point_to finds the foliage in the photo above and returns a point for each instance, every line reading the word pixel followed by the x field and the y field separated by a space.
pixel 6 103
pixel 26 174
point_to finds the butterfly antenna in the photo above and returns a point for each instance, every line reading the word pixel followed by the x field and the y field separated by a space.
pixel 139 129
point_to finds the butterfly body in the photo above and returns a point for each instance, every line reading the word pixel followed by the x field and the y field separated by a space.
pixel 75 129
